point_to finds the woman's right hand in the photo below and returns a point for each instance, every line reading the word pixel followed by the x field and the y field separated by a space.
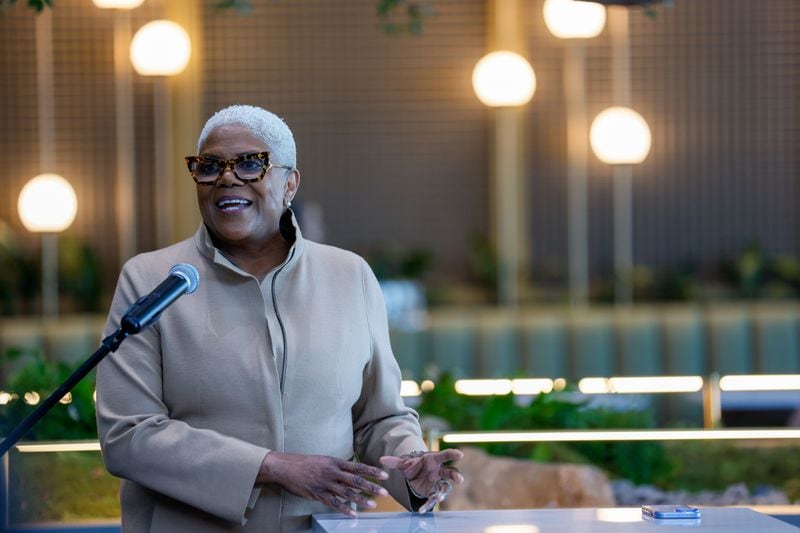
pixel 334 482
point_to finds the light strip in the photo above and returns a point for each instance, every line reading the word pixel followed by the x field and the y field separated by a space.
pixel 531 386
pixel 640 385
pixel 594 386
pixel 484 387
pixel 85 446
pixel 500 387
pixel 619 435
pixel 763 382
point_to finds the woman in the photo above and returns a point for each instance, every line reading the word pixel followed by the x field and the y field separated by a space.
pixel 243 407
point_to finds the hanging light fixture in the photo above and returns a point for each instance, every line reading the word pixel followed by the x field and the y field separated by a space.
pixel 47 204
pixel 571 19
pixel 503 78
pixel 619 136
pixel 118 4
pixel 160 48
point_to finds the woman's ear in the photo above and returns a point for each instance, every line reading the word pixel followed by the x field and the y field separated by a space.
pixel 290 188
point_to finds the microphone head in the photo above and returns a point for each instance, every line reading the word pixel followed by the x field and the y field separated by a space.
pixel 187 272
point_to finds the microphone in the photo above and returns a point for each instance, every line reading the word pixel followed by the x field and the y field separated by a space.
pixel 183 279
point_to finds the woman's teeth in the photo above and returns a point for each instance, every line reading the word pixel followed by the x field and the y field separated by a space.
pixel 232 204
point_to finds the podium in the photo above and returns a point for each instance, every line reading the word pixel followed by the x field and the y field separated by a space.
pixel 616 520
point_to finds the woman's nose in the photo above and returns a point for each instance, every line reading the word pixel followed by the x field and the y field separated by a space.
pixel 228 178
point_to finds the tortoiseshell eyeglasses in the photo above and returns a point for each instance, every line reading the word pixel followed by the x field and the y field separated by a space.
pixel 247 168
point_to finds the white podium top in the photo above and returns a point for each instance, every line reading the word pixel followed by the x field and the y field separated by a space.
pixel 617 520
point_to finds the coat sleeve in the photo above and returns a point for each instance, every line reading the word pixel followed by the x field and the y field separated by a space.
pixel 140 442
pixel 382 423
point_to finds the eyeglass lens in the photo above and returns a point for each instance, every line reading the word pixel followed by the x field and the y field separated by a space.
pixel 206 170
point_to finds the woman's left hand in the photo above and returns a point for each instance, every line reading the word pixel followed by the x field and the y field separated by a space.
pixel 426 470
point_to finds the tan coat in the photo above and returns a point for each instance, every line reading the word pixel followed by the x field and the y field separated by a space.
pixel 300 362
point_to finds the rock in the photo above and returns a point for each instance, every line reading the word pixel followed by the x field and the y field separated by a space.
pixel 504 483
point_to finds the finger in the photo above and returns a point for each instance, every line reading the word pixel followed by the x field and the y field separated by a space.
pixel 409 466
pixel 362 485
pixel 391 462
pixel 349 494
pixel 450 454
pixel 451 474
pixel 361 469
pixel 337 504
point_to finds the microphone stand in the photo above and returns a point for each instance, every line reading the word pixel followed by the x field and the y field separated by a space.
pixel 183 279
pixel 108 345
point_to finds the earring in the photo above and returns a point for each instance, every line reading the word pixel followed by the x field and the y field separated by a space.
pixel 287 203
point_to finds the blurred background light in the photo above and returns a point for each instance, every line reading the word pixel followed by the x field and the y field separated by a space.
pixel 641 385
pixel 47 203
pixel 118 4
pixel 160 48
pixel 503 79
pixel 32 398
pixel 483 387
pixel 620 135
pixel 568 19
pixel 764 382
pixel 409 388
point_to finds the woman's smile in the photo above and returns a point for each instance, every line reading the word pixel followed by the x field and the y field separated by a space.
pixel 230 204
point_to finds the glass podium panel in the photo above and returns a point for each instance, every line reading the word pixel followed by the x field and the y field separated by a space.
pixel 63 483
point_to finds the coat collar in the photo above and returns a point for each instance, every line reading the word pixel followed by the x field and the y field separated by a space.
pixel 289 228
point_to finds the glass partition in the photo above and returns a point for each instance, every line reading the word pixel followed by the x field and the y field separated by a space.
pixel 65 483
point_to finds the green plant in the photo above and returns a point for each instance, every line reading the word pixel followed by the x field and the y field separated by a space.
pixel 715 465
pixel 38 5
pixel 242 7
pixel 39 376
pixel 483 261
pixel 747 272
pixel 641 462
pixel 753 274
pixel 412 20
pixel 392 263
pixel 80 275
pixel 19 278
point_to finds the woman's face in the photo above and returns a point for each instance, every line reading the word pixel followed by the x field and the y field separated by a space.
pixel 243 214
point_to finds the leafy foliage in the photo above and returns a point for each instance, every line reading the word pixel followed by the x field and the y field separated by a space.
pixel 640 462
pixel 72 421
pixel 717 465
pixel 390 263
pixel 483 261
pixel 19 275
pixel 38 5
pixel 242 7
pixel 80 276
pixel 414 16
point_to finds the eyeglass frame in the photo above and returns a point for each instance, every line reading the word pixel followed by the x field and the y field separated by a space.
pixel 230 163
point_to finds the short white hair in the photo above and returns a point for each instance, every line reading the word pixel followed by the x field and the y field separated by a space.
pixel 267 126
